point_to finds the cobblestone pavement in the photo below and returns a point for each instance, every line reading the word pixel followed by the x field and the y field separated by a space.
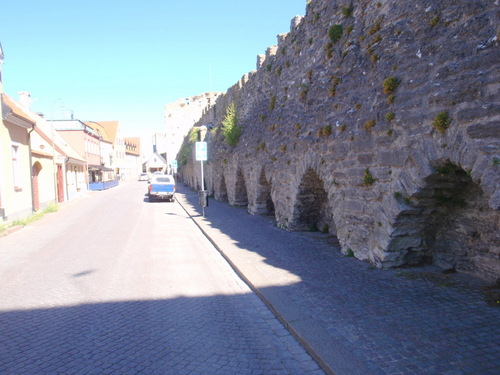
pixel 354 318
pixel 112 284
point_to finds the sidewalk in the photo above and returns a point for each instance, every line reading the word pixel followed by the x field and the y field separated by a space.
pixel 352 318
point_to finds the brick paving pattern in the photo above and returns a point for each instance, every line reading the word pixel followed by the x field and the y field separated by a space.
pixel 402 321
pixel 130 293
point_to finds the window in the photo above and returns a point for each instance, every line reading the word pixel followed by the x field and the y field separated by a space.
pixel 17 167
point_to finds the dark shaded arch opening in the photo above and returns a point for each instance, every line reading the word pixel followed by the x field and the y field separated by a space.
pixel 448 223
pixel 264 204
pixel 312 211
pixel 240 190
pixel 222 194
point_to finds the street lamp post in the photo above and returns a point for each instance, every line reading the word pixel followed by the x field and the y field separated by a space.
pixel 56 197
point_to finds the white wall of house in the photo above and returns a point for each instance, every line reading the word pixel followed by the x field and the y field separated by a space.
pixel 16 179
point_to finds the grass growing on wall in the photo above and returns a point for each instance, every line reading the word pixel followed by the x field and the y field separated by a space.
pixel 230 127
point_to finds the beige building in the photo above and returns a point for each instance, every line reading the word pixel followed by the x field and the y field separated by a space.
pixel 180 116
pixel 118 160
pixel 15 164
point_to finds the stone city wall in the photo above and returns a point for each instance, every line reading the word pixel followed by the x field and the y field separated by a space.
pixel 375 121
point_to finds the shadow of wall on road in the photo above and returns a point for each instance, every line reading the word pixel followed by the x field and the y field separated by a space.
pixel 370 311
pixel 202 334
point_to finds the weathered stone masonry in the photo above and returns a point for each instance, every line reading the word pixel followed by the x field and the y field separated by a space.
pixel 323 146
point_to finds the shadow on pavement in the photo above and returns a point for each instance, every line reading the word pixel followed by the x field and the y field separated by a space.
pixel 354 317
pixel 204 335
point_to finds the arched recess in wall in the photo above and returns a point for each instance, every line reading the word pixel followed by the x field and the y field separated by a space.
pixel 264 204
pixel 240 190
pixel 312 211
pixel 222 191
pixel 449 223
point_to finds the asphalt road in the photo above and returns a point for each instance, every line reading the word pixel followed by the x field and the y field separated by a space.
pixel 113 284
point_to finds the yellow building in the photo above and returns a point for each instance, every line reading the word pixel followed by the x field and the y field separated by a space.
pixel 16 194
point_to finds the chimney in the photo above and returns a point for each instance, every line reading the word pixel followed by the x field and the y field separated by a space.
pixel 25 99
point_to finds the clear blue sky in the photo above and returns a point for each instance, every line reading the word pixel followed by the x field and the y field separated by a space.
pixel 123 60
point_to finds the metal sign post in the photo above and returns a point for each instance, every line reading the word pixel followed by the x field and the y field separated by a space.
pixel 201 155
pixel 174 167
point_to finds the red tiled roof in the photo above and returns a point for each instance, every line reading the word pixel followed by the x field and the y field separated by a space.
pixel 111 128
pixel 16 108
pixel 131 143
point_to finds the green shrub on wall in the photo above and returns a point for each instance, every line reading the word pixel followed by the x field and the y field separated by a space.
pixel 335 32
pixel 230 127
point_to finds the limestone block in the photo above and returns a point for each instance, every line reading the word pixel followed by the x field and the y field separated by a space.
pixel 489 129
pixel 386 258
pixel 281 37
pixel 353 206
pixel 422 163
pixel 271 51
pixel 404 243
pixel 260 60
pixel 494 201
pixel 490 180
pixel 296 22
pixel 392 158
pixel 340 150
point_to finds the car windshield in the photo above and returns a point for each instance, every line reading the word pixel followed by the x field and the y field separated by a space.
pixel 163 179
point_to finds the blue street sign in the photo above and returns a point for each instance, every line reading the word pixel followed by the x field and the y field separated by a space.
pixel 201 151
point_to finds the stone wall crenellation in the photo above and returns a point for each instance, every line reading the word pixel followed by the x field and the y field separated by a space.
pixel 378 123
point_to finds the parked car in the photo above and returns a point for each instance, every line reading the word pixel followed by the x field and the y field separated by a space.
pixel 143 177
pixel 161 187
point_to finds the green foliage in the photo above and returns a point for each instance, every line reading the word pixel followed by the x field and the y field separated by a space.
pixel 369 125
pixel 390 85
pixel 329 50
pixel 434 20
pixel 335 32
pixel 303 92
pixel 389 116
pixel 347 11
pixel 441 122
pixel 446 169
pixel 376 27
pixel 283 149
pixel 368 178
pixel 194 135
pixel 309 74
pixel 342 127
pixel 327 130
pixel 230 127
pixel 349 253
pixel 52 207
pixel 272 103
pixel 496 161
pixel 184 154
